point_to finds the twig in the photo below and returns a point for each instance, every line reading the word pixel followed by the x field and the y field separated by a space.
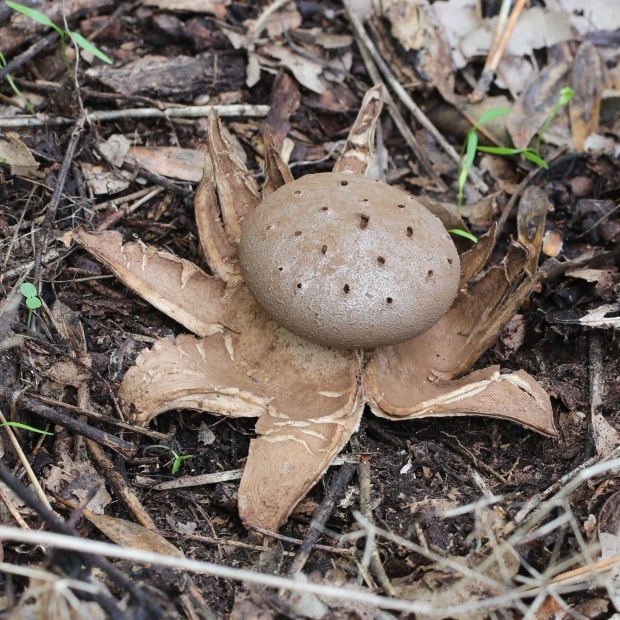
pixel 403 95
pixel 25 464
pixel 497 50
pixel 57 525
pixel 120 487
pixel 104 418
pixel 20 270
pixel 241 109
pixel 125 448
pixel 209 568
pixel 322 514
pixel 297 541
pixel 31 52
pixel 397 117
pixel 45 231
pixel 363 474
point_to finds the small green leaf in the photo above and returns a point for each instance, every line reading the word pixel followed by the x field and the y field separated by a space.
pixel 2 60
pixel 28 289
pixel 33 303
pixel 178 460
pixel 490 115
pixel 33 14
pixel 26 427
pixel 566 95
pixel 499 150
pixel 530 155
pixel 463 233
pixel 86 45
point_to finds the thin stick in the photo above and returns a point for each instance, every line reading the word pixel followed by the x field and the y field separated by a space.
pixel 403 95
pixel 25 464
pixel 321 516
pixel 495 54
pixel 197 111
pixel 398 119
pixel 50 214
pixel 363 473
pixel 120 487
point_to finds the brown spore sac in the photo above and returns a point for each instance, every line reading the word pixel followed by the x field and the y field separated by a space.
pixel 360 270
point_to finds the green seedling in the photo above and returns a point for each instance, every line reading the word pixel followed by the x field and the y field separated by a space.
pixel 463 233
pixel 76 37
pixel 29 291
pixel 32 429
pixel 470 148
pixel 12 84
pixel 177 458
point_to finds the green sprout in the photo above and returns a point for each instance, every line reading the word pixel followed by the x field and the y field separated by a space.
pixel 29 291
pixel 177 460
pixel 12 84
pixel 470 148
pixel 32 429
pixel 463 233
pixel 76 37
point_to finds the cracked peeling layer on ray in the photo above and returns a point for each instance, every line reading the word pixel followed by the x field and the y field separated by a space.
pixel 283 438
pixel 526 386
pixel 460 394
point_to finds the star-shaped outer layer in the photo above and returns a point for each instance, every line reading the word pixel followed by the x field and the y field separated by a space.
pixel 308 399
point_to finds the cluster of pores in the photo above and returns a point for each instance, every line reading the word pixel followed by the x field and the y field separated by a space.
pixel 349 262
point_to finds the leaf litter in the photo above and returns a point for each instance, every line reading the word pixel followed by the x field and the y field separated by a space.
pixel 557 307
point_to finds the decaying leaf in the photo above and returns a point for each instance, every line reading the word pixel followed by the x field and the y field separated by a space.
pixel 588 81
pixel 18 156
pixel 308 398
pixel 170 161
pixel 536 102
pixel 416 28
pixel 212 7
pixel 447 589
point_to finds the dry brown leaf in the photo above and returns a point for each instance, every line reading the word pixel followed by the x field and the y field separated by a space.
pixel 415 26
pixel 531 217
pixel 102 180
pixel 170 161
pixel 536 102
pixel 307 72
pixel 18 156
pixel 211 7
pixel 132 535
pixel 445 589
pixel 588 81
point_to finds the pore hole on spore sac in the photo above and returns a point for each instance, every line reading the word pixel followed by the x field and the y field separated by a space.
pixel 389 300
pixel 297 192
pixel 280 268
pixel 450 261
pixel 298 284
pixel 346 288
pixel 381 260
pixel 363 222
pixel 298 233
pixel 323 249
pixel 409 231
pixel 401 206
pixel 344 183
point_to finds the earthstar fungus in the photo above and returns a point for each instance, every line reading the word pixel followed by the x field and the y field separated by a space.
pixel 309 398
pixel 348 262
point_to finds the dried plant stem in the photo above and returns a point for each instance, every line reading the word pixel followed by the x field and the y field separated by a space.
pixel 398 119
pixel 97 548
pixel 363 473
pixel 120 487
pixel 25 464
pixel 403 95
pixel 241 109
pixel 322 514
pixel 497 49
